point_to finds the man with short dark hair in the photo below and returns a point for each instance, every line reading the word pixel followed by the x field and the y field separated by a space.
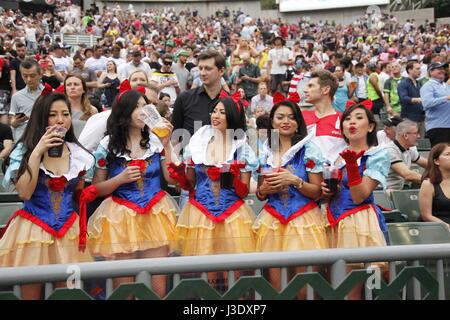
pixel 23 100
pixel 409 93
pixel 136 63
pixel 97 62
pixel 17 82
pixel 249 77
pixel 324 119
pixel 277 62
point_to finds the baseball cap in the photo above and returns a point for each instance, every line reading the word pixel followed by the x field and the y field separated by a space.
pixel 137 53
pixel 182 53
pixel 170 43
pixel 392 50
pixel 436 65
pixel 392 122
pixel 56 46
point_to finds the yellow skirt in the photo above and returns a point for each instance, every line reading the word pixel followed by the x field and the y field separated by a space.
pixel 305 232
pixel 27 244
pixel 116 229
pixel 360 229
pixel 199 235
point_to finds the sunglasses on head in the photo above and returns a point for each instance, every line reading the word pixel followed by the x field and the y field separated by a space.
pixel 167 63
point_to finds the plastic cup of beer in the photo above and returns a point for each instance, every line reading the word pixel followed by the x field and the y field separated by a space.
pixel 154 121
pixel 56 152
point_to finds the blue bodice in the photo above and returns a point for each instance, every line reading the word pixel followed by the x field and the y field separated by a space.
pixel 143 190
pixel 292 201
pixel 209 194
pixel 341 204
pixel 51 207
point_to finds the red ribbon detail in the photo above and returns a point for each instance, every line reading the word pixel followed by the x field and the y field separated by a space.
pixel 235 96
pixel 57 184
pixel 366 103
pixel 47 89
pixel 293 96
pixel 178 173
pixel 87 195
pixel 125 86
pixel 236 166
pixel 214 173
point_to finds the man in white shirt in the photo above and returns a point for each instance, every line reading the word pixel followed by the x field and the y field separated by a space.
pixel 116 57
pixel 135 64
pixel 277 62
pixel 166 80
pixel 262 99
pixel 60 61
pixel 97 62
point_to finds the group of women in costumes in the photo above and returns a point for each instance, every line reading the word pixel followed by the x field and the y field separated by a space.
pixel 139 220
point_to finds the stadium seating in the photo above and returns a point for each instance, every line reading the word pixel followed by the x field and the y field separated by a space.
pixel 7 210
pixel 408 233
pixel 423 145
pixel 407 202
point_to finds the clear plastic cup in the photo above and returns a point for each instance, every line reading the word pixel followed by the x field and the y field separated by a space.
pixel 56 152
pixel 154 121
pixel 331 178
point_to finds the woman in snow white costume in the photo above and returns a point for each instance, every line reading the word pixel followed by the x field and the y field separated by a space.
pixel 290 177
pixel 354 218
pixel 216 220
pixel 46 230
pixel 138 219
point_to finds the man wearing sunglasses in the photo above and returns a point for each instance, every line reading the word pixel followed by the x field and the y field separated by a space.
pixel 166 80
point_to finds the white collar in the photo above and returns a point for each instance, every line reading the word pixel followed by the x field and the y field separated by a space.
pixel 155 147
pixel 79 160
pixel 292 151
pixel 199 144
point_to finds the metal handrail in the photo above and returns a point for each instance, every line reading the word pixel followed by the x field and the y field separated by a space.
pixel 174 265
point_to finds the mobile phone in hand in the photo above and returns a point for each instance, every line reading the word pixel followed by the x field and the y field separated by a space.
pixel 20 115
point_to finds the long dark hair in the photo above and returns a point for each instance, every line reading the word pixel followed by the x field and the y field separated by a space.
pixel 235 115
pixel 119 121
pixel 298 117
pixel 371 136
pixel 432 170
pixel 35 128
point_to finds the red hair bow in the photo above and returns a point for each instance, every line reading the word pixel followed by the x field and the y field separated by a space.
pixel 366 103
pixel 47 89
pixel 125 86
pixel 235 96
pixel 293 96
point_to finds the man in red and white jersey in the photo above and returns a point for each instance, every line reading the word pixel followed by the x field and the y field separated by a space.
pixel 324 119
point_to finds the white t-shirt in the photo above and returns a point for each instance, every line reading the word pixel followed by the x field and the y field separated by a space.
pixel 277 55
pixel 164 77
pixel 30 34
pixel 94 130
pixel 128 68
pixel 96 64
pixel 61 64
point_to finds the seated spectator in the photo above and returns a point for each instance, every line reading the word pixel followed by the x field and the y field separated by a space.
pixel 403 152
pixel 433 199
pixel 50 75
pixel 262 99
pixel 165 98
pixel 388 133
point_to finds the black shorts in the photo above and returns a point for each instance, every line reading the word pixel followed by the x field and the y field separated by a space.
pixel 276 80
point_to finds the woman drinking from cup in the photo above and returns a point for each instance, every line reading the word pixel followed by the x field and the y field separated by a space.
pixel 291 172
pixel 216 220
pixel 138 220
pixel 354 218
pixel 46 230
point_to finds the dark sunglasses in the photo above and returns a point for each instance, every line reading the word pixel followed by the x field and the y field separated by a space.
pixel 167 63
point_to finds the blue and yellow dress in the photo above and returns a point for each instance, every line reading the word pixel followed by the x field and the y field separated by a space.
pixel 289 220
pixel 138 215
pixel 46 230
pixel 359 225
pixel 215 220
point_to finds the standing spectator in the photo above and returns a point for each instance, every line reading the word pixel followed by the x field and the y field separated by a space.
pixel 17 82
pixel 374 90
pixel 126 69
pixel 76 90
pixel 300 80
pixel 5 90
pixel 179 68
pixel 433 199
pixel 409 93
pixel 116 56
pixel 61 64
pixel 277 62
pixel 435 95
pixel 30 37
pixel 360 78
pixel 403 152
pixel 323 118
pixel 89 76
pixel 391 98
pixel 22 101
pixel 343 92
pixel 110 82
pixel 166 80
pixel 248 77
pixel 262 99
pixel 50 75
pixel 97 62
